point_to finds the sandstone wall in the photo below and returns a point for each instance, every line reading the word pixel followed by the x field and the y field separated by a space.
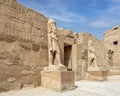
pixel 23 46
pixel 111 39
pixel 100 51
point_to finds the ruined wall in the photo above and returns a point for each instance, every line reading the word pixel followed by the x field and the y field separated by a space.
pixel 111 39
pixel 100 51
pixel 23 46
pixel 77 55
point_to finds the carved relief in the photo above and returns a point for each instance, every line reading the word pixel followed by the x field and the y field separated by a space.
pixel 84 55
pixel 110 57
pixel 78 39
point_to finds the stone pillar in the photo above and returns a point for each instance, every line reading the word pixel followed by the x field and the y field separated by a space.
pixel 76 64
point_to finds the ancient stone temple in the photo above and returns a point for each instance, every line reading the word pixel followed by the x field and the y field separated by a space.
pixel 34 52
pixel 111 39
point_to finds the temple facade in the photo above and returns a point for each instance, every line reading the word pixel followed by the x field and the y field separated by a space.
pixel 24 49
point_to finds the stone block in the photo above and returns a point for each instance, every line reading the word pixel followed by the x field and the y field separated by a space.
pixel 58 80
pixel 97 75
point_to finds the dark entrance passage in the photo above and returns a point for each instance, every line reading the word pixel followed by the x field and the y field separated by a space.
pixel 68 56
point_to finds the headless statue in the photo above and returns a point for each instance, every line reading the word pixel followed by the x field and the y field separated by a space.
pixel 91 55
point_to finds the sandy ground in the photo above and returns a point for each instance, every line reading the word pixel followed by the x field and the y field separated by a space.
pixel 84 88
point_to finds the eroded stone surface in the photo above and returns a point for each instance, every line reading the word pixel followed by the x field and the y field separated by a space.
pixel 58 80
pixel 111 39
pixel 23 45
pixel 30 43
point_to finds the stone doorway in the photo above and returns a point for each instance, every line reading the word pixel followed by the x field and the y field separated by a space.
pixel 68 56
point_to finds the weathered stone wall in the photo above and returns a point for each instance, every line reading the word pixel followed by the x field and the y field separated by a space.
pixel 23 46
pixel 22 23
pixel 111 39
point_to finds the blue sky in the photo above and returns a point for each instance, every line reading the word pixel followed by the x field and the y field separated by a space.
pixel 93 16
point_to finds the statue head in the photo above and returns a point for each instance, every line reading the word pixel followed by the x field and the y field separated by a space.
pixel 50 20
pixel 90 43
pixel 51 25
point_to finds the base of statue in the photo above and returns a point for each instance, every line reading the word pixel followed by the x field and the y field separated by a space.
pixel 97 74
pixel 56 68
pixel 58 80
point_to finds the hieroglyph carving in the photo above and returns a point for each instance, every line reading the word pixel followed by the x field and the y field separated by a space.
pixel 110 57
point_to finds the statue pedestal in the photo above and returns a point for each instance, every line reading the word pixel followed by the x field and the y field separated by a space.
pixel 58 80
pixel 97 74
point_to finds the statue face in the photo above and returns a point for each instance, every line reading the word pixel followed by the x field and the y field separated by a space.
pixel 90 43
pixel 53 24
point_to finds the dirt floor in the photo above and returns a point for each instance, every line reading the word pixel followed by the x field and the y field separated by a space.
pixel 84 88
